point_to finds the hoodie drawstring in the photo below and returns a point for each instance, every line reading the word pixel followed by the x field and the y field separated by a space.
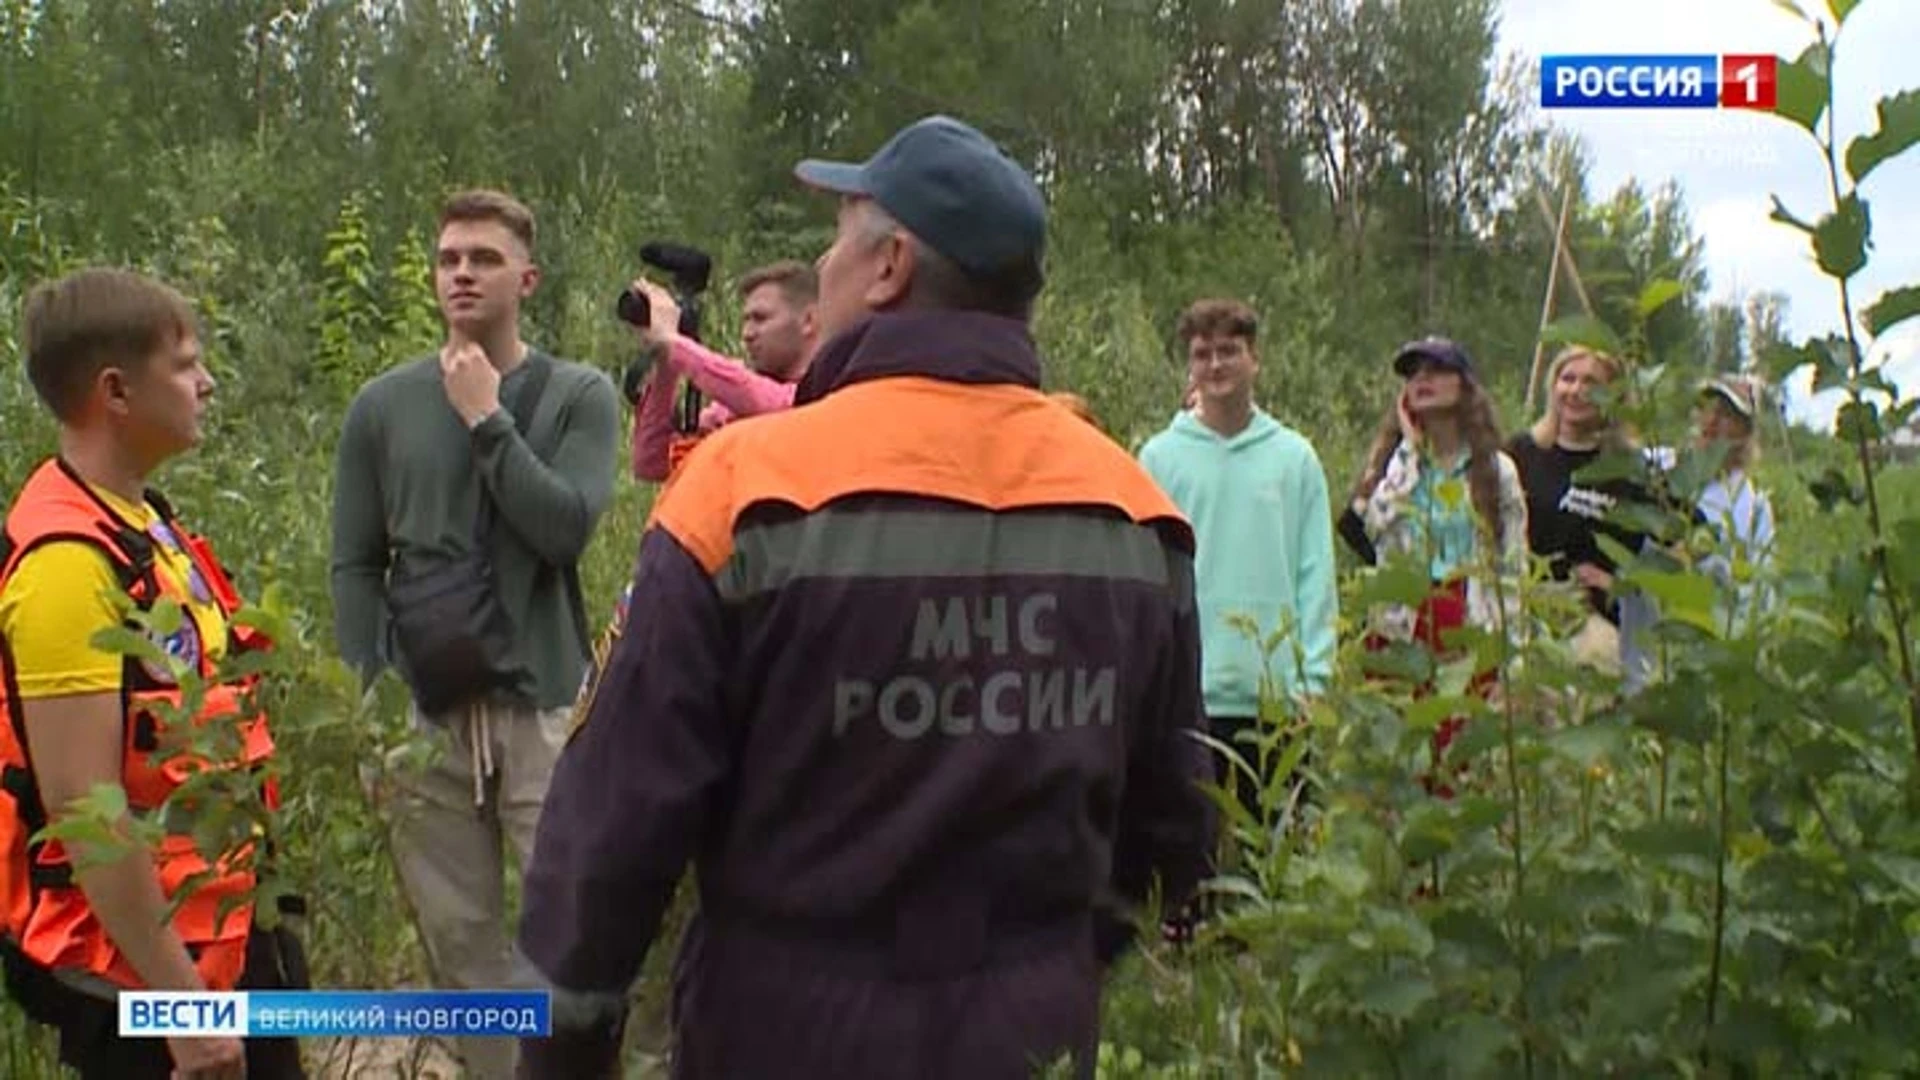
pixel 480 730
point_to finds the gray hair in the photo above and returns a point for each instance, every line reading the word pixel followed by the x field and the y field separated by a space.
pixel 939 281
pixel 876 225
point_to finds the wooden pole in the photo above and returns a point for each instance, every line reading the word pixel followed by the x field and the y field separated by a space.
pixel 1566 250
pixel 1553 287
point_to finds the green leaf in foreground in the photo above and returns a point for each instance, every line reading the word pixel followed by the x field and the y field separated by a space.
pixel 1656 295
pixel 1786 217
pixel 125 642
pixel 1840 240
pixel 1686 598
pixel 1583 330
pixel 1894 307
pixel 1899 131
pixel 1396 994
pixel 1800 87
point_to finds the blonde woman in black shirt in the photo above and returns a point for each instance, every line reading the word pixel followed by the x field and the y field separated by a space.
pixel 1565 517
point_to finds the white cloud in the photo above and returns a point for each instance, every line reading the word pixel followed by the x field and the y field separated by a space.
pixel 1729 163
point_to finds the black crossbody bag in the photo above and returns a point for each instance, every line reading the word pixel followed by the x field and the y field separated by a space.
pixel 453 639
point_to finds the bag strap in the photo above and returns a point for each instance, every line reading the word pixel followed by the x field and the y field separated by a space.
pixel 529 399
pixel 522 410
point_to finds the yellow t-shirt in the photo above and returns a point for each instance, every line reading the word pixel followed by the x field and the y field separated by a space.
pixel 61 594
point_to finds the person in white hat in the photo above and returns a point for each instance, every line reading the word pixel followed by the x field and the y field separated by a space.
pixel 1737 509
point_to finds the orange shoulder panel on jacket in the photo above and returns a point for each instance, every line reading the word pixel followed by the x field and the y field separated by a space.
pixel 998 447
pixel 54 503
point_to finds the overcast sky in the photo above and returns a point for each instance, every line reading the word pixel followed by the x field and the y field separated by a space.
pixel 1729 163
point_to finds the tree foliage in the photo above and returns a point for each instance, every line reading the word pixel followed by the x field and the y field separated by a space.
pixel 1716 879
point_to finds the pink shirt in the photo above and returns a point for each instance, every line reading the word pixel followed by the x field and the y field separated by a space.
pixel 736 389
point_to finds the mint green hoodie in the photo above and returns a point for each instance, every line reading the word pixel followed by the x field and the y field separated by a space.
pixel 1260 513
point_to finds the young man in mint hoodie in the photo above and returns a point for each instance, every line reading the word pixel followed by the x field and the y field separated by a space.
pixel 1257 497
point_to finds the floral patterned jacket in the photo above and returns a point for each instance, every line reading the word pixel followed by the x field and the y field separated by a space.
pixel 1424 507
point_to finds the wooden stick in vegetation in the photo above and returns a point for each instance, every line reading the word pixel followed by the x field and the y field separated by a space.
pixel 1553 288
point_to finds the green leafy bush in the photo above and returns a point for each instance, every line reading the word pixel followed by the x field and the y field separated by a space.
pixel 1718 877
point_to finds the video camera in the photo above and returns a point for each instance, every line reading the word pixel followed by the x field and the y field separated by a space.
pixel 689 267
pixel 690 270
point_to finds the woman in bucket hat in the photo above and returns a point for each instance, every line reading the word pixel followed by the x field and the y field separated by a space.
pixel 1735 507
pixel 1727 416
pixel 1438 487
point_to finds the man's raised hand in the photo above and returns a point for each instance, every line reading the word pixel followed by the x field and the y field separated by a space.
pixel 663 322
pixel 472 383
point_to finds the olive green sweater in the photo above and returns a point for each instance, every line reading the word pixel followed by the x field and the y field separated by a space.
pixel 406 494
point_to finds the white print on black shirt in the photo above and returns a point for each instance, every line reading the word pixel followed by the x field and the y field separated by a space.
pixel 1587 503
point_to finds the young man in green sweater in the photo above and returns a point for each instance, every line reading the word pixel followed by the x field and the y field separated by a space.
pixel 434 455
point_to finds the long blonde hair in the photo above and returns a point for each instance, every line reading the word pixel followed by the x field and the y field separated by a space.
pixel 1616 435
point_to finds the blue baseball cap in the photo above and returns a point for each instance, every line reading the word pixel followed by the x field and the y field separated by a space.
pixel 954 189
pixel 1440 351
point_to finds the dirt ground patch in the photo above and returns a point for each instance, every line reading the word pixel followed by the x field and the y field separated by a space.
pixel 386 1059
pixel 423 1059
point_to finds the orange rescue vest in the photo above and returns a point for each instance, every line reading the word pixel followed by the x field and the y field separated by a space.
pixel 678 447
pixel 42 910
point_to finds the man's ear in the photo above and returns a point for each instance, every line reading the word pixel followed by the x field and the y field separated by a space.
pixel 529 280
pixel 810 320
pixel 114 386
pixel 894 280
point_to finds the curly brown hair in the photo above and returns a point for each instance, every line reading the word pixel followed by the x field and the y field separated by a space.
pixel 1216 316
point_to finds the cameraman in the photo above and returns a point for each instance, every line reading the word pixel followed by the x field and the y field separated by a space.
pixel 778 328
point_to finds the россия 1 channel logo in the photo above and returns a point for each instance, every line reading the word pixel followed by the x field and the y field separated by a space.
pixel 1705 81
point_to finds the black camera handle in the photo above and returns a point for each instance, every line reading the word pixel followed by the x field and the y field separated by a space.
pixel 686 413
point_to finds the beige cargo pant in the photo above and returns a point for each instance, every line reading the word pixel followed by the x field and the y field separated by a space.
pixel 484 784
